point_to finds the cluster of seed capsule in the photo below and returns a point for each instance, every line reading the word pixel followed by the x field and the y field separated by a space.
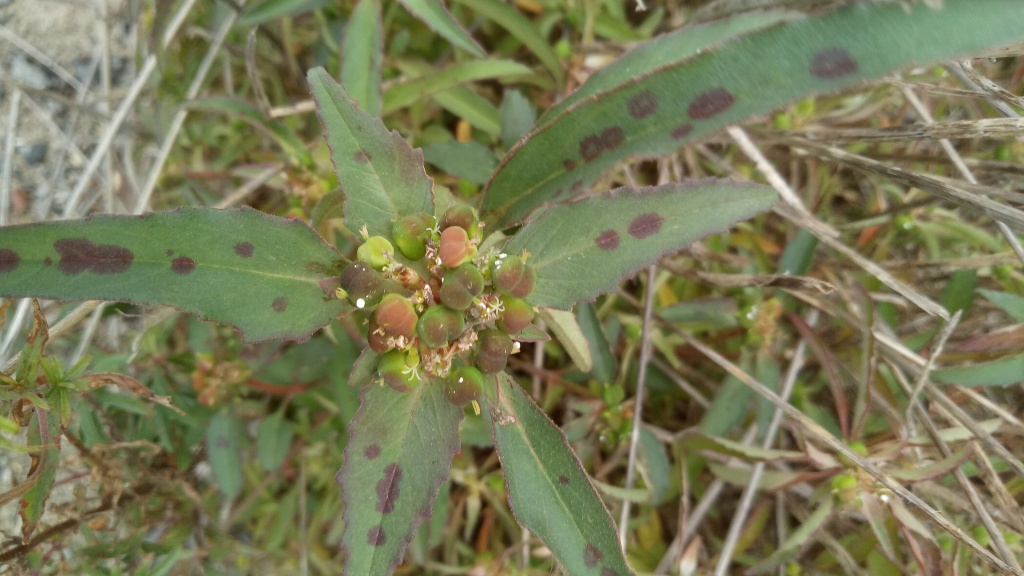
pixel 443 310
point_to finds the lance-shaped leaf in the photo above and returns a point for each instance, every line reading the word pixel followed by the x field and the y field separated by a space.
pixel 689 95
pixel 399 451
pixel 43 431
pixel 382 176
pixel 623 230
pixel 548 489
pixel 435 15
pixel 363 54
pixel 256 272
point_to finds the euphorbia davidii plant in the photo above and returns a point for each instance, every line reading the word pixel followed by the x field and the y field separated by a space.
pixel 445 295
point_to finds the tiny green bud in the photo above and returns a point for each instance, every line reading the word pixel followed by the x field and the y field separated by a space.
pixel 460 286
pixel 396 316
pixel 363 284
pixel 396 372
pixel 493 349
pixel 410 234
pixel 518 314
pixel 464 385
pixel 455 247
pixel 376 251
pixel 439 325
pixel 512 276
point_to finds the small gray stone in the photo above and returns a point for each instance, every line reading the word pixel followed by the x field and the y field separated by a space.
pixel 29 73
pixel 33 153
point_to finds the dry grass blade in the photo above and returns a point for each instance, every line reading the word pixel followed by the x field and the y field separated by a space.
pixel 961 129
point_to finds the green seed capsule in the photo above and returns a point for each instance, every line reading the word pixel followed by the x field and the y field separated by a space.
pixel 377 340
pixel 363 284
pixel 376 251
pixel 439 325
pixel 396 316
pixel 396 372
pixel 493 349
pixel 459 215
pixel 464 385
pixel 410 234
pixel 513 276
pixel 460 286
pixel 518 314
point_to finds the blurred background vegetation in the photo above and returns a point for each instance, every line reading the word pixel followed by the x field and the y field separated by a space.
pixel 129 106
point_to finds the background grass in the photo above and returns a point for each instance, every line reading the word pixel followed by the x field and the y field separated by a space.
pixel 861 332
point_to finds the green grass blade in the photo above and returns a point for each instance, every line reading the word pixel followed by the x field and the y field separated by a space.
pixel 404 94
pixel 1005 371
pixel 521 29
pixel 548 489
pixel 436 16
pixel 625 230
pixel 471 107
pixel 362 55
pixel 273 9
pixel 256 272
pixel 399 451
pixel 280 132
pixel 382 175
pixel 660 109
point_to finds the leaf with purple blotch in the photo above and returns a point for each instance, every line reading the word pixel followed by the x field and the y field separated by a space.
pixel 548 490
pixel 625 230
pixel 399 452
pixel 381 175
pixel 639 109
pixel 259 273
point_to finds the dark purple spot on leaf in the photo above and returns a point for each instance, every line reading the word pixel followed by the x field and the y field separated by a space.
pixel 372 451
pixel 682 131
pixel 591 147
pixel 608 572
pixel 611 137
pixel 170 253
pixel 557 193
pixel 645 225
pixel 607 240
pixel 642 105
pixel 710 103
pixel 591 556
pixel 244 249
pixel 576 187
pixel 362 157
pixel 183 265
pixel 376 537
pixel 563 480
pixel 47 261
pixel 388 487
pixel 832 63
pixel 280 304
pixel 79 255
pixel 9 259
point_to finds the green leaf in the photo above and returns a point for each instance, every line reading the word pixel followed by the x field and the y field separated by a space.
pixel 959 291
pixel 517 117
pixel 273 440
pixel 399 451
pixel 468 160
pixel 43 431
pixel 654 466
pixel 471 107
pixel 548 490
pixel 401 95
pixel 32 352
pixel 271 9
pixel 800 537
pixel 224 452
pixel 654 109
pixel 521 29
pixel 278 131
pixel 362 54
pixel 563 325
pixel 381 174
pixel 244 268
pixel 436 16
pixel 693 440
pixel 364 370
pixel 1003 372
pixel 1012 304
pixel 605 363
pixel 583 249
